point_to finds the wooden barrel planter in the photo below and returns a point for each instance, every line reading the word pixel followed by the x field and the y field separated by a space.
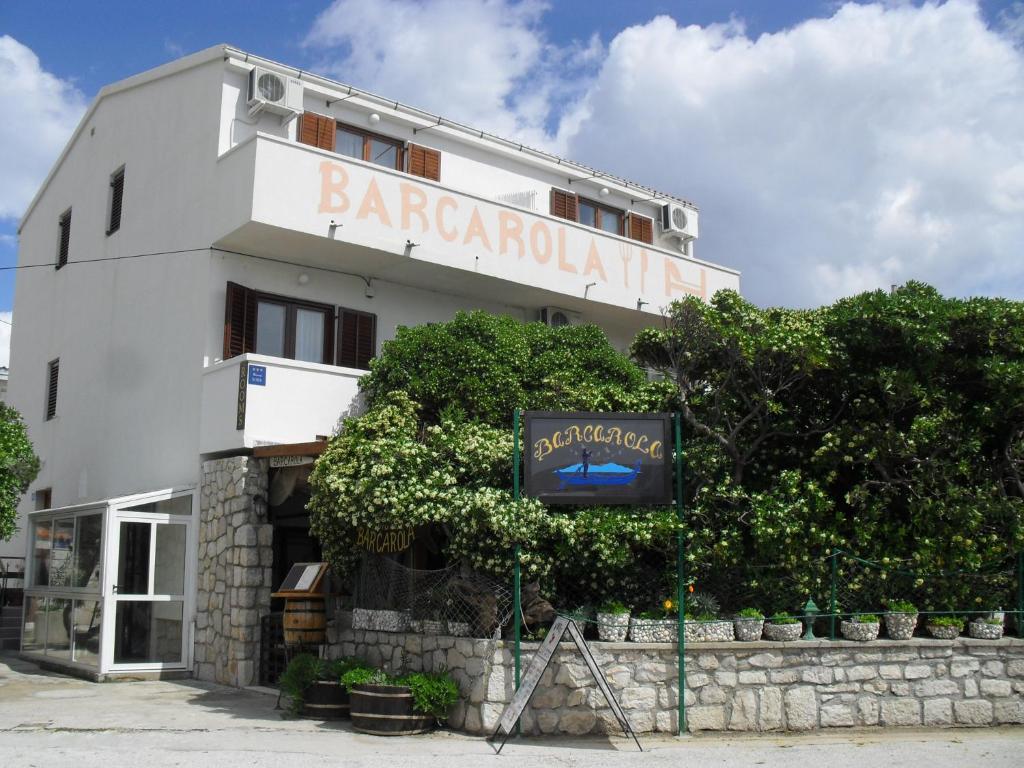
pixel 305 621
pixel 326 700
pixel 386 710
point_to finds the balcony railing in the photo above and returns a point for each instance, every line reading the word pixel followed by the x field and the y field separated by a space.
pixel 254 400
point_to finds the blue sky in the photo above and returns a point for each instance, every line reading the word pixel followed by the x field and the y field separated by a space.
pixel 808 208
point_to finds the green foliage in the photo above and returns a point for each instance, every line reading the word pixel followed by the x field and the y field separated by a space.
pixel 302 671
pixel 749 613
pixel 702 604
pixel 945 621
pixel 901 606
pixel 994 622
pixel 433 693
pixel 18 468
pixel 614 607
pixel 866 618
pixel 783 618
pixel 363 675
pixel 337 669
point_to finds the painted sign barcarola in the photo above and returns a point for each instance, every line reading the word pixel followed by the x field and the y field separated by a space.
pixel 598 458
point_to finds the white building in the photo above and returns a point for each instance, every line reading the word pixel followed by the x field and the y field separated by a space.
pixel 225 242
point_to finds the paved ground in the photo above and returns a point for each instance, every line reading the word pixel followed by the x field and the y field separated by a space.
pixel 51 720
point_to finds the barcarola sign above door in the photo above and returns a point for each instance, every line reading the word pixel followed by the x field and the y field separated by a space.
pixel 598 458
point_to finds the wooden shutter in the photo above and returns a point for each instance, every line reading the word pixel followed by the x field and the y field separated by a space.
pixel 424 162
pixel 357 338
pixel 641 228
pixel 65 239
pixel 317 130
pixel 239 321
pixel 116 197
pixel 53 373
pixel 564 205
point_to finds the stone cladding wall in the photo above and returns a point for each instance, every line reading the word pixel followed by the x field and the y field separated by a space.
pixel 759 686
pixel 235 559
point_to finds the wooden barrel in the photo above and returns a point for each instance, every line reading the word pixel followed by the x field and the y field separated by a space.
pixel 305 621
pixel 326 700
pixel 386 710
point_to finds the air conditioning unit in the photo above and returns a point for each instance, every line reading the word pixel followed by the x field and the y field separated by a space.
pixel 677 220
pixel 271 92
pixel 556 318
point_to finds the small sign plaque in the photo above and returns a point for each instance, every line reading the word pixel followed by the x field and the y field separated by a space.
pixel 258 375
pixel 302 579
pixel 290 461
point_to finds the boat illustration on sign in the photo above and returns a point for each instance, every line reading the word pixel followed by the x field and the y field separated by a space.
pixel 597 474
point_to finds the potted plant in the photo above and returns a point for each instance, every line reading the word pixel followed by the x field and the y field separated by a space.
pixel 783 627
pixel 900 619
pixel 749 624
pixel 613 621
pixel 396 706
pixel 862 627
pixel 945 627
pixel 314 686
pixel 660 625
pixel 987 628
pixel 707 628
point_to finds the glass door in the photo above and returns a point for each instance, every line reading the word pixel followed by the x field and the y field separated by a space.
pixel 147 591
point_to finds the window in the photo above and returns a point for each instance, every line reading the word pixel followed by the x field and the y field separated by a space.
pixel 53 370
pixel 357 338
pixel 44 498
pixel 363 145
pixel 277 326
pixel 317 131
pixel 641 228
pixel 424 162
pixel 116 197
pixel 600 216
pixel 64 238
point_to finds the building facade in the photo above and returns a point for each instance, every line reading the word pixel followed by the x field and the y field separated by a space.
pixel 221 248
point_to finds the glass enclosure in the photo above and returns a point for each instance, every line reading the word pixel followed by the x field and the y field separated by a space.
pixel 110 584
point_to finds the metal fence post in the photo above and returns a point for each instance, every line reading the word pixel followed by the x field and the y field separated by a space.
pixel 832 598
pixel 680 579
pixel 516 587
pixel 1019 619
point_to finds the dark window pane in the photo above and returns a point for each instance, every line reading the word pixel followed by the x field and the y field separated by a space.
pixel 270 329
pixel 348 143
pixel 383 153
pixel 611 222
pixel 133 559
pixel 309 335
pixel 588 215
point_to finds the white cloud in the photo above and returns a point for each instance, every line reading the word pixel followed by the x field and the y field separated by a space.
pixel 482 62
pixel 5 339
pixel 42 111
pixel 881 144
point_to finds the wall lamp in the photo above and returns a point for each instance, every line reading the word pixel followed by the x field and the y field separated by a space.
pixel 586 289
pixel 640 303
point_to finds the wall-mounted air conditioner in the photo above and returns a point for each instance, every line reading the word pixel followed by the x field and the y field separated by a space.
pixel 677 220
pixel 271 92
pixel 556 318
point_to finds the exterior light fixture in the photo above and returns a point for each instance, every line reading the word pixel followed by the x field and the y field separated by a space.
pixel 374 118
pixel 369 291
pixel 604 192
pixel 640 303
pixel 586 289
pixel 303 278
pixel 810 613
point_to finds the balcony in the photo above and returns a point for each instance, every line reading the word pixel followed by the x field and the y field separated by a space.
pixel 286 200
pixel 253 400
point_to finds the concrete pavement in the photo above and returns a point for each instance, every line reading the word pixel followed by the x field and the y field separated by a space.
pixel 52 720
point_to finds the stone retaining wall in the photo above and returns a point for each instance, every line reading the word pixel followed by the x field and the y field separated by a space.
pixel 761 686
pixel 235 561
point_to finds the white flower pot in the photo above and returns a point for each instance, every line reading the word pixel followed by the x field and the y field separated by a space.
pixel 943 633
pixel 612 627
pixel 708 631
pixel 783 632
pixel 748 630
pixel 984 631
pixel 860 631
pixel 900 626
pixel 653 630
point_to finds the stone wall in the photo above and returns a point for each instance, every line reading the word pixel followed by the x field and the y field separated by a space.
pixel 762 686
pixel 234 577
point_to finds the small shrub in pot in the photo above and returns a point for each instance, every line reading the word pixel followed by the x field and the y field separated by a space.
pixel 861 628
pixel 945 627
pixel 749 624
pixel 901 620
pixel 783 627
pixel 613 622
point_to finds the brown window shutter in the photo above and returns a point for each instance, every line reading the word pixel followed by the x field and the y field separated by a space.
pixel 317 130
pixel 641 228
pixel 239 321
pixel 564 205
pixel 424 162
pixel 53 373
pixel 64 246
pixel 357 338
pixel 116 199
